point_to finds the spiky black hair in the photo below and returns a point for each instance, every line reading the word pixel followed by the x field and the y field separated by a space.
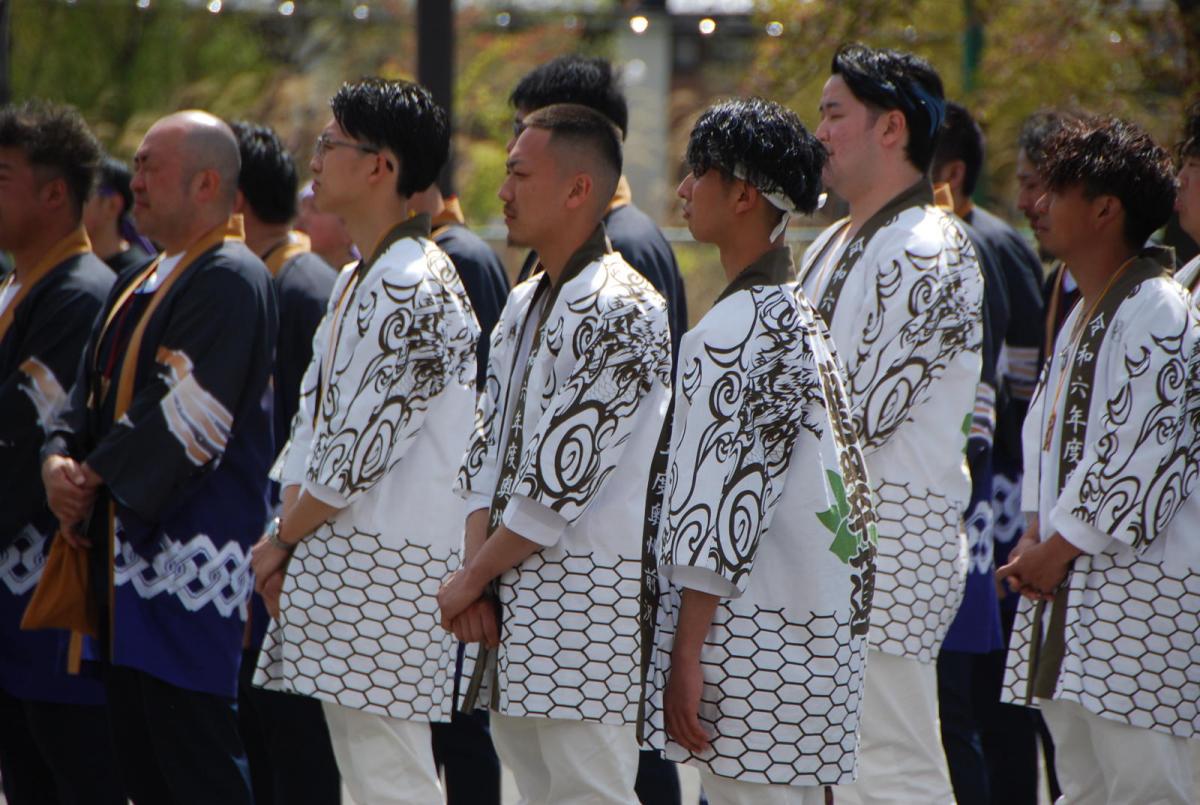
pixel 1110 157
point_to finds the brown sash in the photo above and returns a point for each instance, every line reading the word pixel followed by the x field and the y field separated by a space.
pixel 61 599
pixel 73 245
pixel 593 249
pixel 296 243
pixel 1049 645
pixel 920 194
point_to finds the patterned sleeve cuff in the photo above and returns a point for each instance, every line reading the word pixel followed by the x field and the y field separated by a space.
pixel 1083 536
pixel 533 521
pixel 701 579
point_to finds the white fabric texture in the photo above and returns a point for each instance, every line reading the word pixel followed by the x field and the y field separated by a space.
pixel 597 393
pixel 908 326
pixel 767 505
pixel 383 760
pixel 1104 762
pixel 901 761
pixel 359 619
pixel 560 762
pixel 724 791
pixel 1132 634
pixel 1189 275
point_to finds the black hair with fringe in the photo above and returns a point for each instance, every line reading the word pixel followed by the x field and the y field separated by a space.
pixel 1189 146
pixel 402 116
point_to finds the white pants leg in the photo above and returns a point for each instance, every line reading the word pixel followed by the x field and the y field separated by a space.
pixel 901 760
pixel 1111 763
pixel 727 791
pixel 559 762
pixel 383 760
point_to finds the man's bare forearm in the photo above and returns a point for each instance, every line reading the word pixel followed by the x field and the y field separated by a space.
pixel 696 612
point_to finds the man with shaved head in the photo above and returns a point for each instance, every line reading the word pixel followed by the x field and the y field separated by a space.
pixel 158 469
pixel 554 477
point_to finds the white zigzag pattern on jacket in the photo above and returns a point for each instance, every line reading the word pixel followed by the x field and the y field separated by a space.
pixel 196 572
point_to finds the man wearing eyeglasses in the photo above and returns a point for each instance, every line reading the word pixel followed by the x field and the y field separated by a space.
pixel 370 524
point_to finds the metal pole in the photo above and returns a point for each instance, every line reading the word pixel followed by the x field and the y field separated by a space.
pixel 435 65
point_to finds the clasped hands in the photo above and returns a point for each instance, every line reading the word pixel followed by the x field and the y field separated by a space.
pixel 1037 568
pixel 466 611
pixel 71 488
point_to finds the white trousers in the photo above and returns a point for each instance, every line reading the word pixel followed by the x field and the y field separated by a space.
pixel 1104 762
pixel 901 760
pixel 559 762
pixel 726 791
pixel 383 760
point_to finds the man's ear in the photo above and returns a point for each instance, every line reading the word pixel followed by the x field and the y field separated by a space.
pixel 205 185
pixel 54 194
pixel 1108 211
pixel 892 129
pixel 745 196
pixel 581 191
pixel 239 201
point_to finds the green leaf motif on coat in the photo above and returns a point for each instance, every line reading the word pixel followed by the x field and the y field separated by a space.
pixel 836 519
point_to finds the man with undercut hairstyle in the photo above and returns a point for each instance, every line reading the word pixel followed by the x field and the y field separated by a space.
pixel 1107 643
pixel 898 283
pixel 370 524
pixel 53 728
pixel 158 469
pixel 554 477
pixel 760 525
pixel 991 748
pixel 590 81
pixel 1187 201
pixel 287 742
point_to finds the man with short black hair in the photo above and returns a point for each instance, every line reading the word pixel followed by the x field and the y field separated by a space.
pixel 899 285
pixel 1107 642
pixel 760 526
pixel 158 469
pixel 991 748
pixel 287 742
pixel 370 524
pixel 555 473
pixel 592 82
pixel 53 728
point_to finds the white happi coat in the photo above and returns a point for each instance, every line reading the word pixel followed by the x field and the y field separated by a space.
pixel 908 326
pixel 393 402
pixel 767 506
pixel 597 392
pixel 1189 277
pixel 1132 634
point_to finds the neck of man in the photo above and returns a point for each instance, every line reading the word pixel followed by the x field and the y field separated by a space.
pixel 742 245
pixel 567 240
pixel 201 223
pixel 891 179
pixel 262 237
pixel 108 242
pixel 370 221
pixel 44 236
pixel 1093 267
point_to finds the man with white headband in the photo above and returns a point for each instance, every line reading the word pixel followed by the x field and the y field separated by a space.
pixel 898 283
pixel 760 528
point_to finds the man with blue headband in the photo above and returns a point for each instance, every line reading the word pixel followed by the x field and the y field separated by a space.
pixel 899 286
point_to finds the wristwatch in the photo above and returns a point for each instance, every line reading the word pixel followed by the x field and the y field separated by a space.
pixel 272 535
